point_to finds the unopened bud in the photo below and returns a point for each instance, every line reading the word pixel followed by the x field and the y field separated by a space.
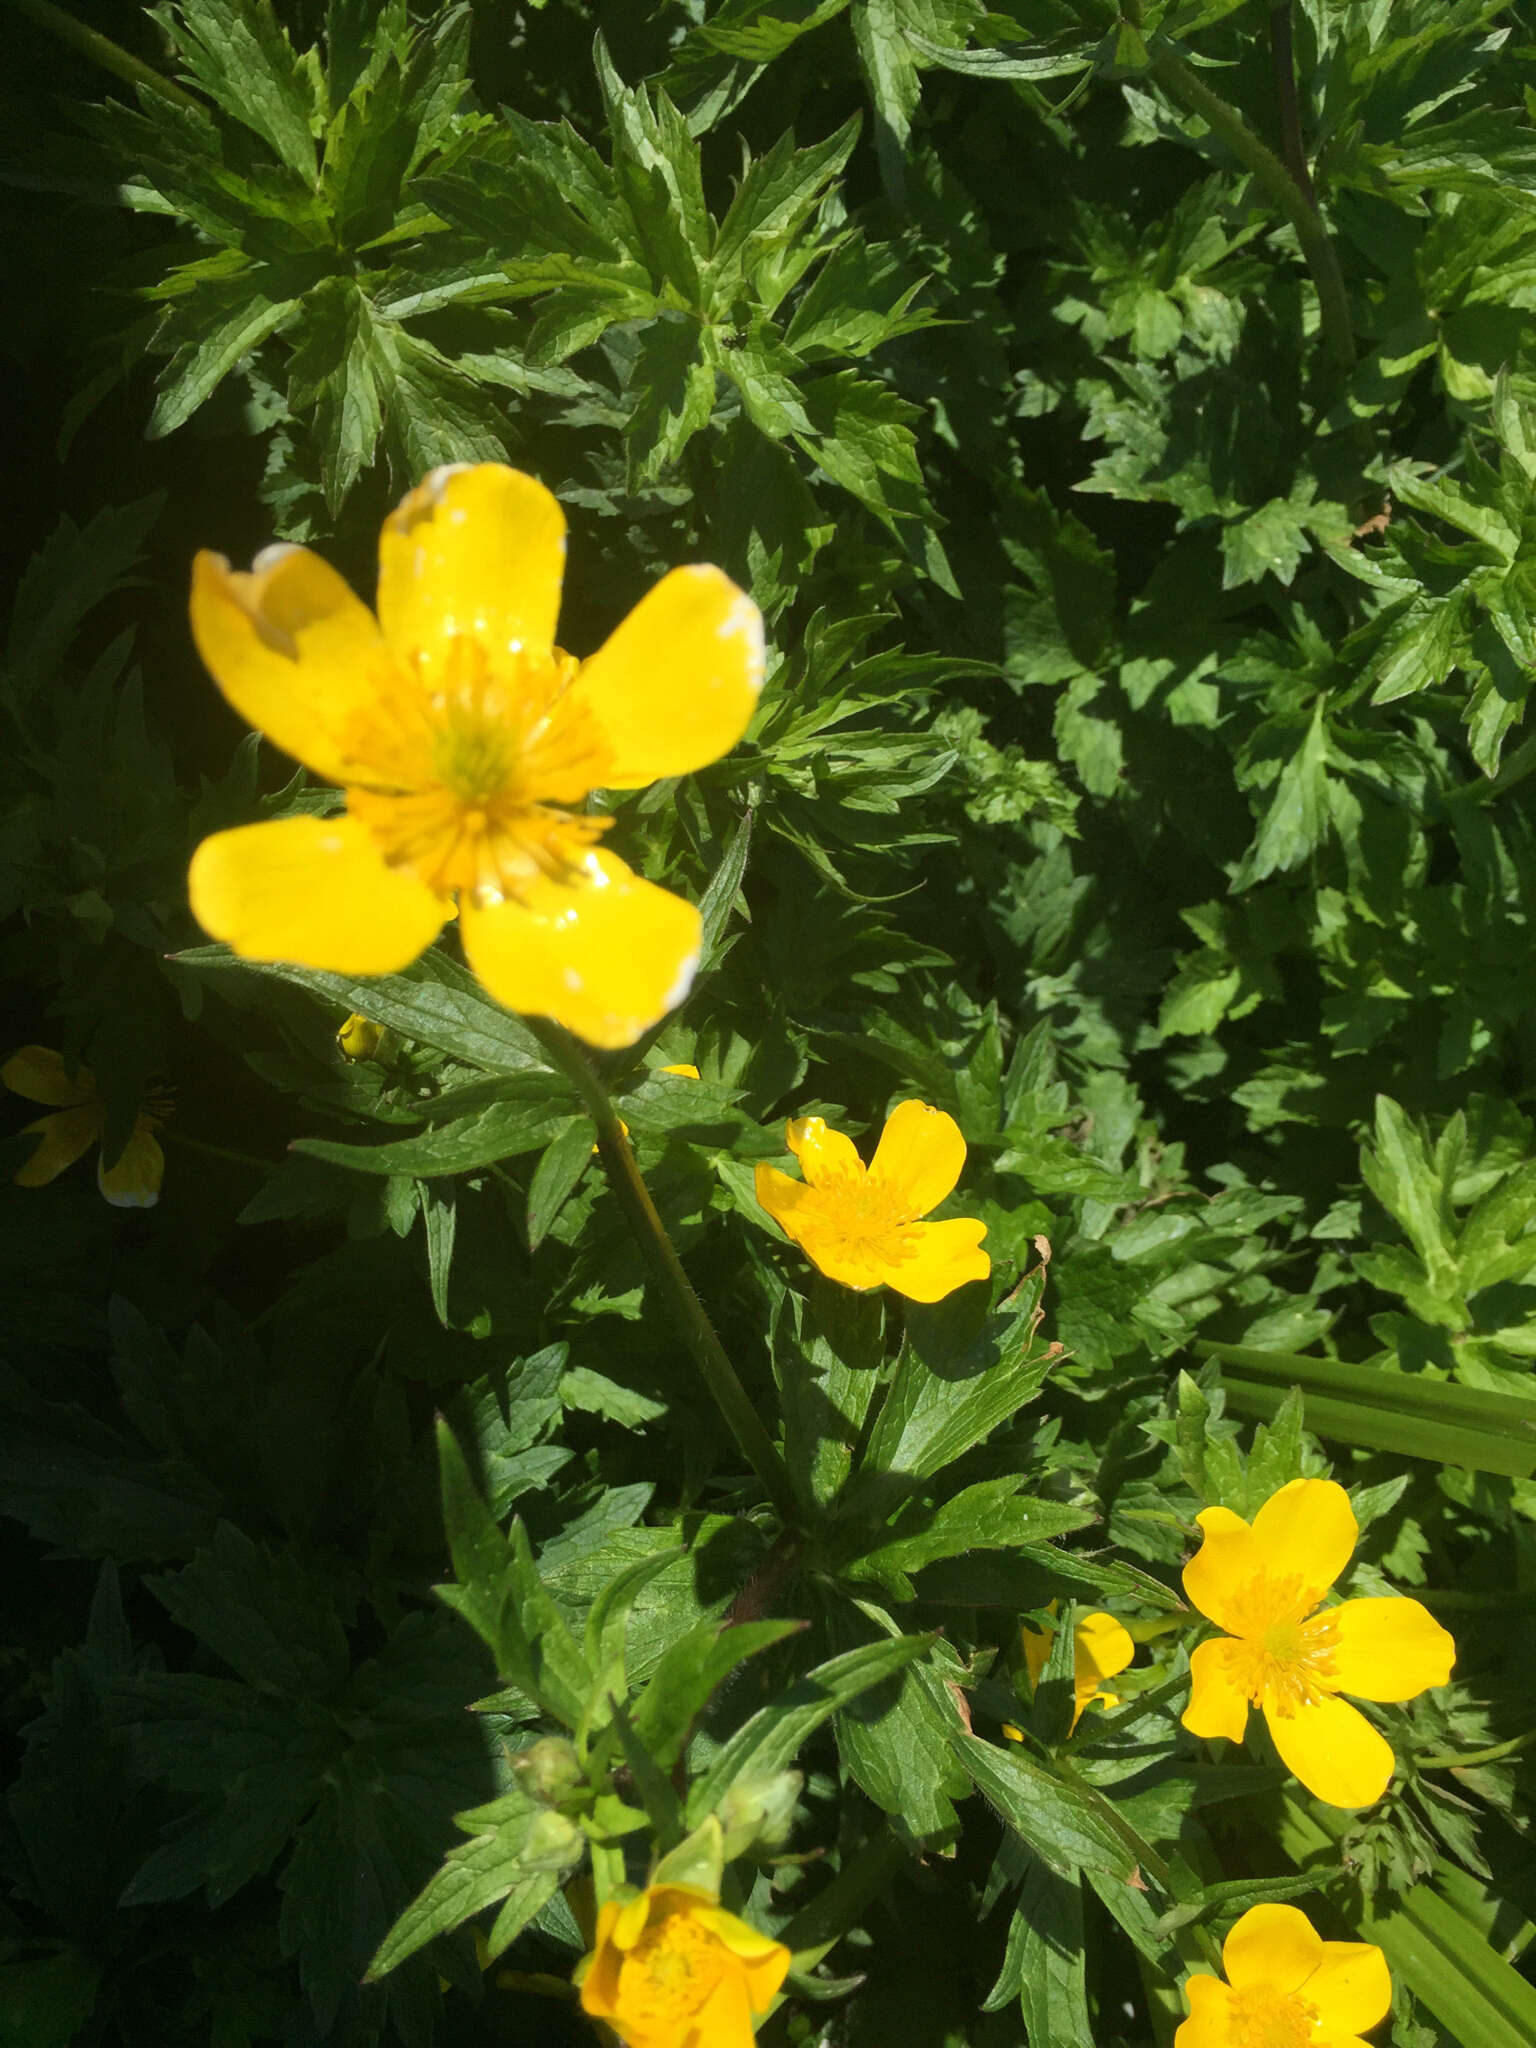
pixel 548 1770
pixel 757 1811
pixel 552 1842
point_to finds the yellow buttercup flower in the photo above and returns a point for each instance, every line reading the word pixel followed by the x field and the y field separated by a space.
pixel 1286 1988
pixel 1101 1646
pixel 133 1179
pixel 1286 1653
pixel 670 1968
pixel 467 743
pixel 860 1224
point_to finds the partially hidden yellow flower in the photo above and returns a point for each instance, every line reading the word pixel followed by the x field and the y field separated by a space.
pixel 1285 1653
pixel 1286 1988
pixel 359 1038
pixel 133 1179
pixel 860 1224
pixel 1101 1646
pixel 467 743
pixel 670 1968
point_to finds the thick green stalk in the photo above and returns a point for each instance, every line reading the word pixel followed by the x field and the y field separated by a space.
pixel 102 50
pixel 1185 85
pixel 698 1332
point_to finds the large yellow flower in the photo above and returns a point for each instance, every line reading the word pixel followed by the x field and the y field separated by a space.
pixel 670 1968
pixel 1286 1988
pixel 133 1179
pixel 1286 1653
pixel 859 1224
pixel 467 743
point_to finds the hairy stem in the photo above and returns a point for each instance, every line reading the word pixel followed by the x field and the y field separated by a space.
pixel 1451 1760
pixel 1191 92
pixel 1282 58
pixel 102 50
pixel 698 1332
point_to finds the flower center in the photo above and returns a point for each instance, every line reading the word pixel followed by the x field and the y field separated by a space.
pixel 473 778
pixel 1278 1656
pixel 1267 2019
pixel 669 1973
pixel 862 1221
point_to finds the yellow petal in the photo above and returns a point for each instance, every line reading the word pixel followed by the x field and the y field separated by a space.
pixel 1272 1948
pixel 1210 2015
pixel 1307 1531
pixel 1351 1987
pixel 39 1073
pixel 824 1155
pixel 294 651
pixel 477 551
pixel 133 1179
pixel 1217 1705
pixel 920 1154
pixel 1333 1750
pixel 61 1138
pixel 314 891
pixel 942 1257
pixel 683 1071
pixel 606 954
pixel 779 1195
pixel 725 2019
pixel 1226 1561
pixel 1102 1647
pixel 1037 1650
pixel 1389 1649
pixel 674 686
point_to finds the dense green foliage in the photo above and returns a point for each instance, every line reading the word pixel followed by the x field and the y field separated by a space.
pixel 1142 777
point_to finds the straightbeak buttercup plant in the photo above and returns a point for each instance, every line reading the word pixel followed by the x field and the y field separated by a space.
pixel 1281 1650
pixel 1286 1988
pixel 467 744
pixel 862 1225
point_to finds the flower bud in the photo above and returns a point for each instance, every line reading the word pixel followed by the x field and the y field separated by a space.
pixel 548 1770
pixel 756 1812
pixel 552 1842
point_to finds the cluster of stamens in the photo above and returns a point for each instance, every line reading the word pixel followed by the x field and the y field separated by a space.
pixel 1275 1653
pixel 860 1219
pixel 468 785
pixel 670 1971
pixel 1260 2019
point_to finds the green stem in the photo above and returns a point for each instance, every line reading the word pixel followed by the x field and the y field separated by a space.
pixel 709 1354
pixel 1449 1760
pixel 102 50
pixel 1183 84
pixel 187 1144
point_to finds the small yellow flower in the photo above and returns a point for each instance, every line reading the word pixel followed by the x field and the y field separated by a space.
pixel 467 744
pixel 133 1179
pixel 1101 1646
pixel 1286 1988
pixel 670 1968
pixel 859 1224
pixel 1286 1653
pixel 359 1038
